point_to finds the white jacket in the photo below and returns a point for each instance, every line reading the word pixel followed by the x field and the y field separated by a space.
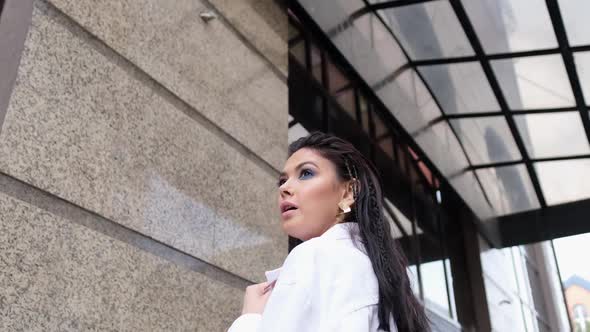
pixel 325 284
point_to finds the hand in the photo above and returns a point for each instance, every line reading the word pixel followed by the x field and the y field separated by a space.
pixel 255 298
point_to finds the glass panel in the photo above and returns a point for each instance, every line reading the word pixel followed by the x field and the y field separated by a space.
pixel 364 109
pixel 370 48
pixel 428 30
pixel 293 31
pixel 575 19
pixel 487 139
pixel 511 26
pixel 395 231
pixel 401 218
pixel 426 172
pixel 380 1
pixel 409 101
pixel 433 282
pixel 565 180
pixel 413 276
pixel 553 134
pixel 380 127
pixel 466 185
pixel 442 147
pixel 524 288
pixel 460 87
pixel 346 99
pixel 582 60
pixel 386 144
pixel 336 80
pixel 529 318
pixel 447 263
pixel 316 63
pixel 534 82
pixel 509 189
pixel 329 14
pixel 298 51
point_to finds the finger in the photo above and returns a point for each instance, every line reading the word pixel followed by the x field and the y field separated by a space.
pixel 269 286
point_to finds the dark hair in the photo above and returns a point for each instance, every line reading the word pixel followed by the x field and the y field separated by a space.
pixel 389 263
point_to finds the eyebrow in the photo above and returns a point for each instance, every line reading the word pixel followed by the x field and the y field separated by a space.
pixel 299 166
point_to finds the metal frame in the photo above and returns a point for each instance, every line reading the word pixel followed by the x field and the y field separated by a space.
pixel 497 90
pixel 392 4
pixel 564 49
pixel 395 127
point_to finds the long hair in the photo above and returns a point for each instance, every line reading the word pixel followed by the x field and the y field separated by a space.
pixel 389 263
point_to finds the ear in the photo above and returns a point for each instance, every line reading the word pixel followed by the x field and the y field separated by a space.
pixel 348 194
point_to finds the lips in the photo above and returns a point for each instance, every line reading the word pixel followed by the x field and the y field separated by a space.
pixel 287 209
pixel 287 206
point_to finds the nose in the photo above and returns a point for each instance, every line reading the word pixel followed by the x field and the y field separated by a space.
pixel 285 189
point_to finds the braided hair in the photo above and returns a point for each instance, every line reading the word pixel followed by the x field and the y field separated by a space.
pixel 389 263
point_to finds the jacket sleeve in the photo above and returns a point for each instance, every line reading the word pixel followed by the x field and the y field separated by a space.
pixel 288 304
pixel 246 323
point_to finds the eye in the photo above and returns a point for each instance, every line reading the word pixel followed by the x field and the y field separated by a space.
pixel 305 173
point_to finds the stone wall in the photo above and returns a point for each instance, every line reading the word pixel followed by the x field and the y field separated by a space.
pixel 139 151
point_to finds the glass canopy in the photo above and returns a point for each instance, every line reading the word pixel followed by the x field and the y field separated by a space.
pixel 495 92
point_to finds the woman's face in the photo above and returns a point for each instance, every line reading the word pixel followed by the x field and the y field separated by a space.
pixel 309 183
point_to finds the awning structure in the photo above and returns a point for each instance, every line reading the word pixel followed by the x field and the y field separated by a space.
pixel 494 92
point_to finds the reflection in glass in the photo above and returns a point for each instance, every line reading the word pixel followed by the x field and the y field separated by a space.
pixel 298 51
pixel 565 180
pixel 364 111
pixel 316 63
pixel 336 79
pixel 386 144
pixel 582 60
pixel 428 30
pixel 329 14
pixel 549 135
pixel 570 253
pixel 380 127
pixel 509 189
pixel 460 87
pixel 467 187
pixel 442 147
pixel 534 82
pixel 413 275
pixel 405 223
pixel 369 48
pixel 505 26
pixel 486 139
pixel 433 283
pixel 575 19
pixel 409 101
pixel 447 263
pixel 346 99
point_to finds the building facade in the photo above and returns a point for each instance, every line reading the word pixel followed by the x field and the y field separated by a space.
pixel 136 190
pixel 577 294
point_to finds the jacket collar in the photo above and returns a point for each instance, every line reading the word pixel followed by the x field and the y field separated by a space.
pixel 340 231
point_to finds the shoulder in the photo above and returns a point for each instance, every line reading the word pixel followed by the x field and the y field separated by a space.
pixel 329 251
pixel 339 260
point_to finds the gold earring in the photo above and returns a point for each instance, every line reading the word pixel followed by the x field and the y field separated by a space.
pixel 345 208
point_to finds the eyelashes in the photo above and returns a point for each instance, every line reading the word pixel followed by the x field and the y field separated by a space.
pixel 305 173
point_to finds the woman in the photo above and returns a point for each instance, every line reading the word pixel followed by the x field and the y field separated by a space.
pixel 348 274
